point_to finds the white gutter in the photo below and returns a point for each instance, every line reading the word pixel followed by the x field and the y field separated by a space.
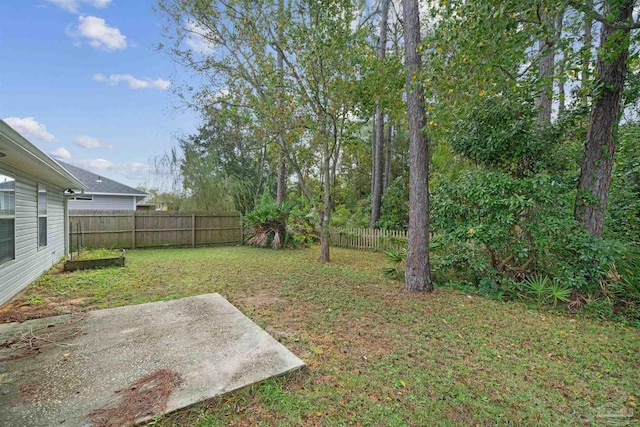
pixel 116 194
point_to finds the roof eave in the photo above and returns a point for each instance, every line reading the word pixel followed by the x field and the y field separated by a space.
pixel 95 193
pixel 25 152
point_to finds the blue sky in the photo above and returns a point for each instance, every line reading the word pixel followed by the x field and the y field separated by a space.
pixel 82 81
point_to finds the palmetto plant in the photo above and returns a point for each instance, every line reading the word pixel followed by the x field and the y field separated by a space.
pixel 559 292
pixel 537 288
pixel 266 225
pixel 398 258
pixel 541 289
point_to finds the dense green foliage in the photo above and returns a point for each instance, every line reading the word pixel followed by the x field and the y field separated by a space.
pixel 275 225
pixel 623 219
pixel 395 206
pixel 515 228
pixel 504 172
pixel 266 225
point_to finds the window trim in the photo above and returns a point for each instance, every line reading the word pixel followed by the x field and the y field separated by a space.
pixel 42 189
pixel 10 216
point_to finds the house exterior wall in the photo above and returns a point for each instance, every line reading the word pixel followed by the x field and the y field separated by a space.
pixel 104 203
pixel 30 260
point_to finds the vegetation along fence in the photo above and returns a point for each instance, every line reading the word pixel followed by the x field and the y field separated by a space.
pixel 144 229
pixel 368 238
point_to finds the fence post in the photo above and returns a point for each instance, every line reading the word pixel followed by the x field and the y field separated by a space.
pixel 133 229
pixel 193 230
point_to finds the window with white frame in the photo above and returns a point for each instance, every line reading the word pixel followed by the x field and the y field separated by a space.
pixel 42 215
pixel 7 217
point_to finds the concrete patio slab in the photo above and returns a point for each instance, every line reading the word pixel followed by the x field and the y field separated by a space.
pixel 116 366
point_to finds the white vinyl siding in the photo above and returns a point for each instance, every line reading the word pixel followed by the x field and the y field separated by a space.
pixel 104 203
pixel 30 261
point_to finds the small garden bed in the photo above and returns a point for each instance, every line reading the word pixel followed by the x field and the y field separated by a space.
pixel 95 259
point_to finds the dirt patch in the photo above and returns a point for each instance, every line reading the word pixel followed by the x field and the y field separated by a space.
pixel 34 341
pixel 19 311
pixel 262 298
pixel 462 415
pixel 146 397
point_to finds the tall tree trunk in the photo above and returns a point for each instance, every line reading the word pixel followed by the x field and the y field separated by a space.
pixel 325 215
pixel 376 191
pixel 418 271
pixel 597 162
pixel 281 191
pixel 546 50
pixel 376 194
pixel 387 157
pixel 561 67
pixel 373 153
pixel 586 56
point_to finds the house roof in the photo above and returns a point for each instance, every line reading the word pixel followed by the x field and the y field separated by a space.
pixel 21 154
pixel 99 184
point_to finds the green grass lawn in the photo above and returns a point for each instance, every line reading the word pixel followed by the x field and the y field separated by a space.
pixel 376 355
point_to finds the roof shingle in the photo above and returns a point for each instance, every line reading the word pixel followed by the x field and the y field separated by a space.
pixel 98 183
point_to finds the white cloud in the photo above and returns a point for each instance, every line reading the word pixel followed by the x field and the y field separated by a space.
pixel 73 5
pixel 99 34
pixel 196 40
pixel 87 141
pixel 133 82
pixel 61 153
pixel 30 128
pixel 93 164
pixel 135 170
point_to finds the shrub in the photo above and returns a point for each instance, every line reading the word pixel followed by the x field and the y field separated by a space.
pixel 623 212
pixel 266 225
pixel 628 269
pixel 302 227
pixel 502 227
pixel 394 212
pixel 358 218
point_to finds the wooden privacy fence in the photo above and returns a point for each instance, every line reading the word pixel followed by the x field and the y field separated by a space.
pixel 146 229
pixel 368 238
